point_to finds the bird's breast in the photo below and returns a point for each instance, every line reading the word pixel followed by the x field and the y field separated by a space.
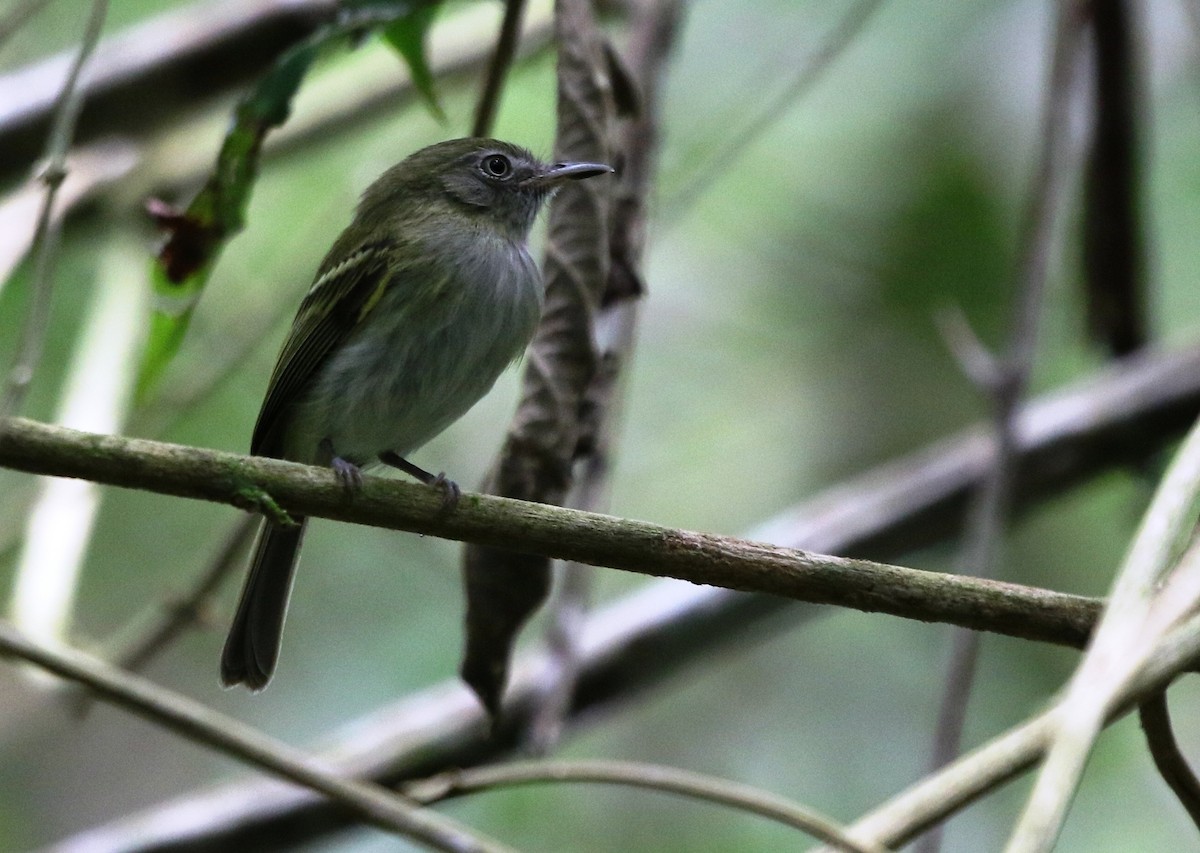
pixel 423 356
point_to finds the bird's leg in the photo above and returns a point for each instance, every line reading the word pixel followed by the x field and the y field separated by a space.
pixel 450 489
pixel 347 473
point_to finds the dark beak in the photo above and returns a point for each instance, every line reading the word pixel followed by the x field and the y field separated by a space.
pixel 560 172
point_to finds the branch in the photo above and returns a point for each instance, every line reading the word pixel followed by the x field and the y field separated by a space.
pixel 168 619
pixel 809 72
pixel 599 540
pixel 46 234
pixel 638 642
pixel 233 738
pixel 1115 283
pixel 652 777
pixel 142 76
pixel 1156 588
pixel 1012 753
pixel 497 73
pixel 1155 718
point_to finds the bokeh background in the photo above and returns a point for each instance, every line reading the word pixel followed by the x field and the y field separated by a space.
pixel 786 342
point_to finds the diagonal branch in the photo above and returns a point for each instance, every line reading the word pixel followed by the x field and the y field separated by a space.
pixel 497 73
pixel 1155 718
pixel 225 734
pixel 143 76
pixel 1014 752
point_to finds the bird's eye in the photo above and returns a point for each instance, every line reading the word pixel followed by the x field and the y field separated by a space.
pixel 497 165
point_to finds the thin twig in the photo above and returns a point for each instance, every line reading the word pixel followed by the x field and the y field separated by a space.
pixel 653 777
pixel 566 617
pixel 46 236
pixel 233 738
pixel 1008 755
pixel 808 75
pixel 980 554
pixel 1155 718
pixel 95 395
pixel 502 59
pixel 1114 243
pixel 187 608
pixel 94 169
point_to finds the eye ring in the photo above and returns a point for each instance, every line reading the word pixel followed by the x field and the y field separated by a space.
pixel 496 166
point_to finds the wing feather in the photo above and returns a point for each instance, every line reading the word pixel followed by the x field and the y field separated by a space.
pixel 342 295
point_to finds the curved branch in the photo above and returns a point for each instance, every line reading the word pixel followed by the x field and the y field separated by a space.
pixel 654 777
pixel 1155 718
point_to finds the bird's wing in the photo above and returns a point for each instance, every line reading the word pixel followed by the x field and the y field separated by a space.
pixel 343 294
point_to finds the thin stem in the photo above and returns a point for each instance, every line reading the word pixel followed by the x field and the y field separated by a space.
pixel 980 554
pixel 231 737
pixel 808 75
pixel 502 59
pixel 653 777
pixel 1155 718
pixel 46 236
pixel 1114 243
pixel 567 616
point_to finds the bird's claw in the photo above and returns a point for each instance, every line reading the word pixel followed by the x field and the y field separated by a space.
pixel 450 492
pixel 348 474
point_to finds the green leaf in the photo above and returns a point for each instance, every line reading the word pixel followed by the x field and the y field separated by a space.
pixel 196 235
pixel 407 36
pixel 168 324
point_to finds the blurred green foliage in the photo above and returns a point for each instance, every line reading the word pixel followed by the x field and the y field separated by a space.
pixel 786 342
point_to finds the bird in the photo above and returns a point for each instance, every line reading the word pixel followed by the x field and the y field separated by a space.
pixel 420 304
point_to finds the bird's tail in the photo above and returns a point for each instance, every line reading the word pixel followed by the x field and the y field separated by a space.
pixel 252 646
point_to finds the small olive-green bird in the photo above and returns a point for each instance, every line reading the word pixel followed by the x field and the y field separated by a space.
pixel 416 310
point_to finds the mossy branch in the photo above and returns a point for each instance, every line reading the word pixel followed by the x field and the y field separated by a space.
pixel 584 537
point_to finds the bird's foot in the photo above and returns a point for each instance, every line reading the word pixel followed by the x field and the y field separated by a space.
pixel 450 490
pixel 347 473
